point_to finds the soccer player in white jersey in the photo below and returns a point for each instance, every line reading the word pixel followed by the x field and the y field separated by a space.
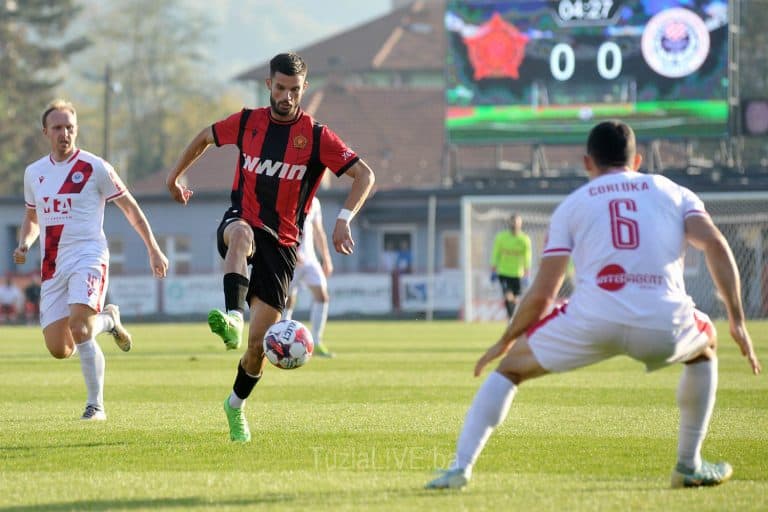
pixel 627 234
pixel 313 274
pixel 65 194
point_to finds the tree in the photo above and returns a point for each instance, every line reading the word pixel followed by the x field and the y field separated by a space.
pixel 156 50
pixel 31 57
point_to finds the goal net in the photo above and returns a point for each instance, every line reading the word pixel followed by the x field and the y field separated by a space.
pixel 741 216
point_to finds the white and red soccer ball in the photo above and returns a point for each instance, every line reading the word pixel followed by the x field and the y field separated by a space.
pixel 288 344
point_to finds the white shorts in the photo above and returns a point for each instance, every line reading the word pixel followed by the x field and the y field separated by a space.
pixel 86 283
pixel 309 273
pixel 562 342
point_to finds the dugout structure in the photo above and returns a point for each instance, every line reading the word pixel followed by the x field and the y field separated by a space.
pixel 741 216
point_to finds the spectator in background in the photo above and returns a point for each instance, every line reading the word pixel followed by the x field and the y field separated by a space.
pixel 511 261
pixel 389 257
pixel 404 258
pixel 32 298
pixel 10 301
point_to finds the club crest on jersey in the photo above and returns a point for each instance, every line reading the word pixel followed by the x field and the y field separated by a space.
pixel 282 170
pixel 300 142
pixel 78 177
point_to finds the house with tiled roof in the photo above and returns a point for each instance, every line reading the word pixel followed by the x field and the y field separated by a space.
pixel 379 86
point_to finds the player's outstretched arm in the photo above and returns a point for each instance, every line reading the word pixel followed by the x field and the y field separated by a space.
pixel 535 303
pixel 30 229
pixel 130 208
pixel 361 186
pixel 180 193
pixel 703 234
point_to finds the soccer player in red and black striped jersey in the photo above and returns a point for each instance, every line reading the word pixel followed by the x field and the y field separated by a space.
pixel 283 156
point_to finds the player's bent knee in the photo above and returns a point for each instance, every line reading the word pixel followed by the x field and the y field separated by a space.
pixel 709 353
pixel 59 346
pixel 60 351
pixel 240 237
pixel 79 329
pixel 520 364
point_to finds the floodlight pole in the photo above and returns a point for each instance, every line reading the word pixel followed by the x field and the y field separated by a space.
pixel 107 104
pixel 734 86
pixel 431 235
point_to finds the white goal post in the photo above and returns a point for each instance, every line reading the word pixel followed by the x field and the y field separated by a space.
pixel 741 216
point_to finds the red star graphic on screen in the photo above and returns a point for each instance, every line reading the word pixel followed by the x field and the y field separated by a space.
pixel 497 49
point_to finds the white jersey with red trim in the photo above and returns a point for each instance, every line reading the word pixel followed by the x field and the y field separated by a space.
pixel 69 199
pixel 626 234
pixel 307 246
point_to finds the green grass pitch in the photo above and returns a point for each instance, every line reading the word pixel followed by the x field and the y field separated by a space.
pixel 361 432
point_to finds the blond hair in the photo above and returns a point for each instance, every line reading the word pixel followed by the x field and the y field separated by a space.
pixel 58 104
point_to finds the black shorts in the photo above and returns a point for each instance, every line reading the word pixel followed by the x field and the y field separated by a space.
pixel 510 284
pixel 272 265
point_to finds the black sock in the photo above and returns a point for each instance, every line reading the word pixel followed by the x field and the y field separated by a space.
pixel 244 383
pixel 235 290
pixel 510 308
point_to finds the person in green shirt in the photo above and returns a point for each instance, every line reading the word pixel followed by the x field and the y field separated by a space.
pixel 511 261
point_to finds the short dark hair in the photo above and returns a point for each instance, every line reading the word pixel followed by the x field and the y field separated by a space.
pixel 612 144
pixel 290 64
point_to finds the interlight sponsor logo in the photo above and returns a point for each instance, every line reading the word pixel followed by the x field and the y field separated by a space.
pixel 613 278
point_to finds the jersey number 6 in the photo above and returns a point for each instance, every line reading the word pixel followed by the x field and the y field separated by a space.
pixel 625 231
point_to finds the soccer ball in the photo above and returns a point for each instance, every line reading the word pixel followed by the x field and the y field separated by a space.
pixel 288 344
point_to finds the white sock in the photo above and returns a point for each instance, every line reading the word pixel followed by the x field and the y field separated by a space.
pixel 92 365
pixel 235 401
pixel 488 410
pixel 102 323
pixel 318 315
pixel 235 312
pixel 696 399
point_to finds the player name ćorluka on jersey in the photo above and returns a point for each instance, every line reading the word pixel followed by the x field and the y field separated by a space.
pixel 626 234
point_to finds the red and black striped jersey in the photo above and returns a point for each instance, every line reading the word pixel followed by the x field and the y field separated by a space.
pixel 280 167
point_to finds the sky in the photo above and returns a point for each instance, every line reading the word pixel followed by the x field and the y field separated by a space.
pixel 249 32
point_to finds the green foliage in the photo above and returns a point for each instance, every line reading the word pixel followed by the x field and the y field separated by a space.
pixel 157 54
pixel 360 432
pixel 32 53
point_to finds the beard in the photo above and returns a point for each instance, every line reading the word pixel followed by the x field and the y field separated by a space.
pixel 283 110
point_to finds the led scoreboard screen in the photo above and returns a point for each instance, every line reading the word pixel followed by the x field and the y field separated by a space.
pixel 547 70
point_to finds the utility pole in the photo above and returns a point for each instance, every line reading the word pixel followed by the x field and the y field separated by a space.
pixel 107 104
